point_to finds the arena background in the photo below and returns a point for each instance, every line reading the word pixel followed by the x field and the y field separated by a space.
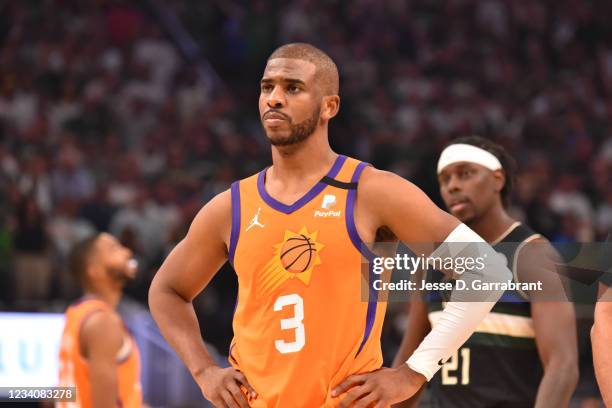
pixel 127 116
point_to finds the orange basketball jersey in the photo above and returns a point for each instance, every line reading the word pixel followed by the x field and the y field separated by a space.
pixel 74 370
pixel 301 324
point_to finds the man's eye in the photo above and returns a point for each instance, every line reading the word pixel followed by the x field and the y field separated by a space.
pixel 293 88
pixel 266 88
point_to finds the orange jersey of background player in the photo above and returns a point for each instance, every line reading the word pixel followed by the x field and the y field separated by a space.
pixel 300 325
pixel 74 370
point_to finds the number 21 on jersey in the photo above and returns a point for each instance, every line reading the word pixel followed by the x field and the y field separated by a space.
pixel 448 378
pixel 292 323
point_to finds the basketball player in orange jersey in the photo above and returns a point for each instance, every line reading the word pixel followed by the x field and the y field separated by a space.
pixel 524 354
pixel 303 336
pixel 98 356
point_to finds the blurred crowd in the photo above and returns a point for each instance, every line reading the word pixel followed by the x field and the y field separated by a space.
pixel 106 126
pixel 535 76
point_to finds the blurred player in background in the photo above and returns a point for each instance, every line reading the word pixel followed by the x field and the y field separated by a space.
pixel 523 354
pixel 294 233
pixel 98 355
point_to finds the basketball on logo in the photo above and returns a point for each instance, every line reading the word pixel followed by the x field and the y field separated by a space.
pixel 297 254
pixel 295 257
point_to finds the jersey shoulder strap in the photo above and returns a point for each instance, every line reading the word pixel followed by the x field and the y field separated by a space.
pixel 520 234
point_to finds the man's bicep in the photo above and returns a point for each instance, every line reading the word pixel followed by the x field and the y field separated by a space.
pixel 407 210
pixel 197 258
pixel 102 337
pixel 537 262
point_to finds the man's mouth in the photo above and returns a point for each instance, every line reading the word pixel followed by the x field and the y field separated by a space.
pixel 458 205
pixel 275 118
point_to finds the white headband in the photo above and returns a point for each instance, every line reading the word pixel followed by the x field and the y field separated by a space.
pixel 467 153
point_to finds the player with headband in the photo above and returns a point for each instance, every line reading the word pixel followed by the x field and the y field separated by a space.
pixel 523 354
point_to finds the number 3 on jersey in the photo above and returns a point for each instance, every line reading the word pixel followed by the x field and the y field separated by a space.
pixel 292 323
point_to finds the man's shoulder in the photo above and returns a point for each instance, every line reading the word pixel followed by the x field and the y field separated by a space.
pixel 373 176
pixel 380 184
pixel 521 233
pixel 104 324
pixel 101 320
pixel 217 210
pixel 531 245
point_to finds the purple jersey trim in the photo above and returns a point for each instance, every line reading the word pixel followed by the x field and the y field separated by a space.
pixel 365 251
pixel 230 355
pixel 235 232
pixel 312 193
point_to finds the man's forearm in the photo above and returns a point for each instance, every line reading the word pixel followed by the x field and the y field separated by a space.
pixel 178 324
pixel 466 308
pixel 557 385
pixel 417 329
pixel 601 337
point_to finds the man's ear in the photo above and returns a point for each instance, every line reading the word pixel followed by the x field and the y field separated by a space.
pixel 499 176
pixel 330 105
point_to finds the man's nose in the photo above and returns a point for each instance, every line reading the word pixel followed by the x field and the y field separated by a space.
pixel 277 98
pixel 453 185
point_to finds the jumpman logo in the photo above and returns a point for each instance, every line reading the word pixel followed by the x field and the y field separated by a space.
pixel 255 221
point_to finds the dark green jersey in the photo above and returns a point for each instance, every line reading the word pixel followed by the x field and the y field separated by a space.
pixel 498 366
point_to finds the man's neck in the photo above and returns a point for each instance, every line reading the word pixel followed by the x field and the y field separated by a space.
pixel 107 295
pixel 312 157
pixel 492 225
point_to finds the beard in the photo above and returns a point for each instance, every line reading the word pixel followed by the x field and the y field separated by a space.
pixel 119 275
pixel 298 132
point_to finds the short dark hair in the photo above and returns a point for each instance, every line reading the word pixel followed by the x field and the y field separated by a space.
pixel 79 257
pixel 507 161
pixel 326 69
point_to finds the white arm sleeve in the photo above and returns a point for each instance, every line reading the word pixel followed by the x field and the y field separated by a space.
pixel 467 309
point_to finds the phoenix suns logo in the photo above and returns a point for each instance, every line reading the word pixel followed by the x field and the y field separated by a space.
pixel 294 258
